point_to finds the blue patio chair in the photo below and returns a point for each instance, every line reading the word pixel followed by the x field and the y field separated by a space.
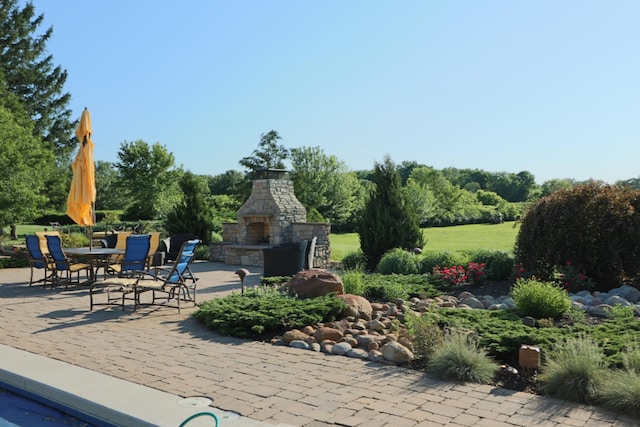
pixel 172 282
pixel 136 251
pixel 64 264
pixel 127 272
pixel 37 260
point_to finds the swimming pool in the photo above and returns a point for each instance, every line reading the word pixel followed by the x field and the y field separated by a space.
pixel 18 410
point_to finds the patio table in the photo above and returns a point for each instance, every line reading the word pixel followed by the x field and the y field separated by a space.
pixel 98 257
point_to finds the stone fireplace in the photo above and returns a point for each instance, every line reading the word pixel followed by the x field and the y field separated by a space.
pixel 271 216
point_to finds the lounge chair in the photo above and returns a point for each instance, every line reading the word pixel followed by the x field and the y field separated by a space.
pixel 65 264
pixel 171 281
pixel 154 244
pixel 37 260
pixel 127 272
pixel 174 244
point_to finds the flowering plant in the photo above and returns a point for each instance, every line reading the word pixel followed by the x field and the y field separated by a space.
pixel 457 274
pixel 450 276
pixel 475 271
pixel 571 279
pixel 519 272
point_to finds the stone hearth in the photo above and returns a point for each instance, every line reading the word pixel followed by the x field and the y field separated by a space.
pixel 271 216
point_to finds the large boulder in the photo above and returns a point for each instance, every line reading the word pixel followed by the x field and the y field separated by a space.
pixel 315 283
pixel 357 306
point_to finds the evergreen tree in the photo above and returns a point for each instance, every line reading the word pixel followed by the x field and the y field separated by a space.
pixel 193 214
pixel 268 154
pixel 27 70
pixel 389 220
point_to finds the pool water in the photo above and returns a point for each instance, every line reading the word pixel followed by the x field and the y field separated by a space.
pixel 17 410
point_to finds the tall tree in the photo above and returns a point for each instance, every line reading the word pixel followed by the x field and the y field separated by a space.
pixel 269 154
pixel 230 183
pixel 148 178
pixel 193 214
pixel 389 219
pixel 28 71
pixel 108 194
pixel 325 184
pixel 26 162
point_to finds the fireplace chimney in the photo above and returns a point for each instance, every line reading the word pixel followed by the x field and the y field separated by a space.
pixel 267 215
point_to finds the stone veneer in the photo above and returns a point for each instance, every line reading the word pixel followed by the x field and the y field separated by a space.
pixel 271 216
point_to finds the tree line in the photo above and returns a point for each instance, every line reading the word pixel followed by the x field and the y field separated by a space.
pixel 37 143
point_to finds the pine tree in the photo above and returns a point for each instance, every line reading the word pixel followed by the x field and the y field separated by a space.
pixel 27 70
pixel 388 220
pixel 193 215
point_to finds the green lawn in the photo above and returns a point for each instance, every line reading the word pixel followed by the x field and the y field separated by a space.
pixel 460 237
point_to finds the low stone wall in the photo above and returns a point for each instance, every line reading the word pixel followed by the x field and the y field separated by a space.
pixel 230 252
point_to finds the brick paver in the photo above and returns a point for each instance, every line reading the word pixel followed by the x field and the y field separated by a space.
pixel 160 348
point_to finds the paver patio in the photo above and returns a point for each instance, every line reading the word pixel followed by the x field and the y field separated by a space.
pixel 175 353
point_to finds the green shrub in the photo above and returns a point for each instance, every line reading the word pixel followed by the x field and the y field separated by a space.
pixel 620 392
pixel 74 240
pixel 265 310
pixel 354 261
pixel 540 299
pixel 461 358
pixel 620 312
pixel 353 281
pixel 397 261
pixel 202 252
pixel 429 259
pixel 384 286
pixel 595 227
pixel 574 370
pixel 425 334
pixel 498 264
pixel 13 262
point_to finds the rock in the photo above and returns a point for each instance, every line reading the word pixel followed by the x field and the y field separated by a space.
pixel 366 340
pixel 294 335
pixel 340 348
pixel 358 353
pixel 327 347
pixel 376 325
pixel 472 302
pixel 376 356
pixel 357 306
pixel 299 344
pixel 395 352
pixel 324 333
pixel 314 347
pixel 617 300
pixel 601 310
pixel 315 283
pixel 529 321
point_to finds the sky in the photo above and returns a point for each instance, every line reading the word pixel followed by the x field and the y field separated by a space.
pixel 550 87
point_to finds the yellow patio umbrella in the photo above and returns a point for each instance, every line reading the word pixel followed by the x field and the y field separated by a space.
pixel 82 194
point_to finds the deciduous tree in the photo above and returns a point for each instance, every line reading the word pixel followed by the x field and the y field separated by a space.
pixel 324 184
pixel 26 161
pixel 149 179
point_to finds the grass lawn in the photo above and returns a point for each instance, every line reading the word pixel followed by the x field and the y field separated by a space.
pixel 460 238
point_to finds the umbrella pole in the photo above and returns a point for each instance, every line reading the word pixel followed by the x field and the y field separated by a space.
pixel 93 215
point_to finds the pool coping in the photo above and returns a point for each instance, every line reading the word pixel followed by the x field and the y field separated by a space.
pixel 102 399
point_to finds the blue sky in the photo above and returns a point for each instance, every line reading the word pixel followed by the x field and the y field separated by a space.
pixel 550 87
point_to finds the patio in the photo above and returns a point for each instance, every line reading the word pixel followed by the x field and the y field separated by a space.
pixel 175 354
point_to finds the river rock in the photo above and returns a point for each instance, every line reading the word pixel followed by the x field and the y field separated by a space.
pixel 357 306
pixel 395 352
